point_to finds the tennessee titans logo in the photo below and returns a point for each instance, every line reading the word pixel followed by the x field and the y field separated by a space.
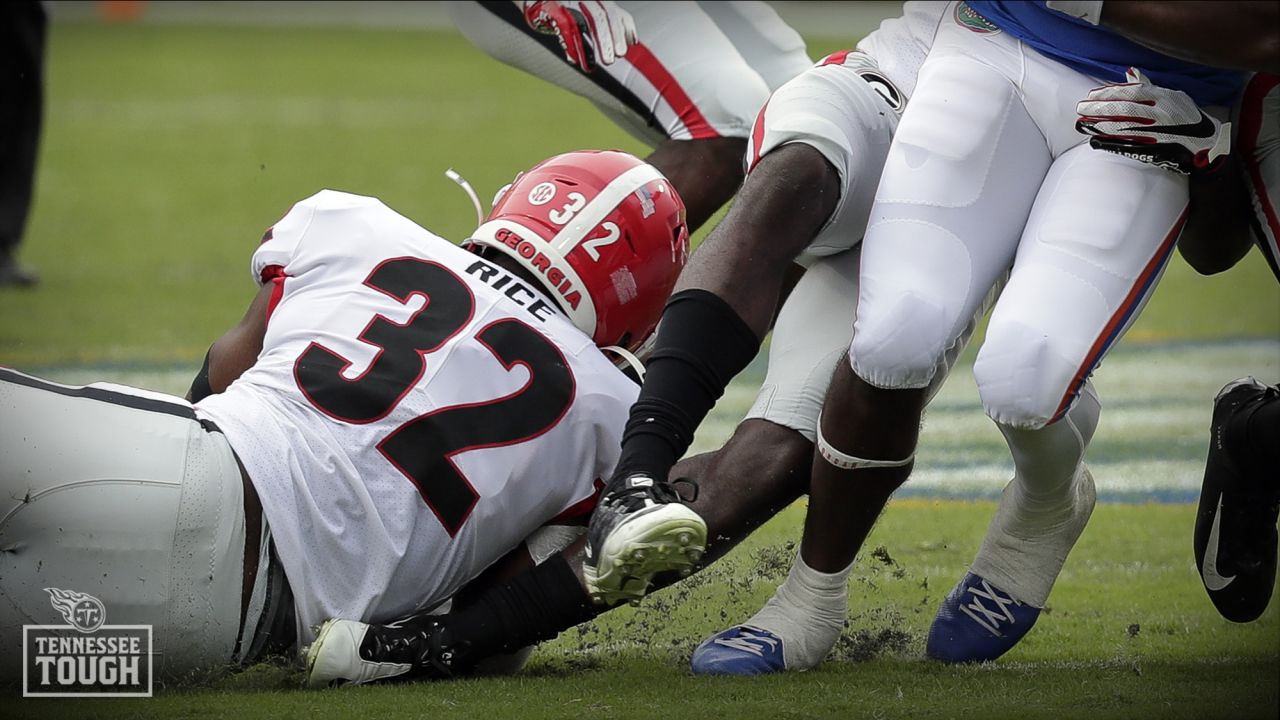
pixel 84 612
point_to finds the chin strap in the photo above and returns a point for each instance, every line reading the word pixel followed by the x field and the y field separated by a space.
pixel 626 358
pixel 470 191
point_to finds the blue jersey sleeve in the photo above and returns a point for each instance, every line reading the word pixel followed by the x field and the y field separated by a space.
pixel 1102 53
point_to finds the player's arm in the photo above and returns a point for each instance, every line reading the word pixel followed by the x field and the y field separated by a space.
pixel 1217 234
pixel 234 352
pixel 592 33
pixel 1240 34
pixel 1165 127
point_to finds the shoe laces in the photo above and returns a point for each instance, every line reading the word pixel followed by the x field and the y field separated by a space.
pixel 989 618
pixel 425 645
pixel 636 489
pixel 747 641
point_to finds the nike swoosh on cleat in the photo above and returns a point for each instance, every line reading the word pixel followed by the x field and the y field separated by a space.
pixel 1209 569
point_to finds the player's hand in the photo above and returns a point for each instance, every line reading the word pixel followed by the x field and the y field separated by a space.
pixel 591 32
pixel 1153 124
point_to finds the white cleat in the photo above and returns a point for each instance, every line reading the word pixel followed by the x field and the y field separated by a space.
pixel 335 658
pixel 660 538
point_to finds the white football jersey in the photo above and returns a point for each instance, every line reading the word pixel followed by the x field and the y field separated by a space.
pixel 901 44
pixel 414 414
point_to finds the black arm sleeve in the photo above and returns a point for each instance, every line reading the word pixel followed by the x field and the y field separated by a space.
pixel 200 388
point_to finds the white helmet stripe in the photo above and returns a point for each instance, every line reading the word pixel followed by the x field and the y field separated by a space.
pixel 604 203
pixel 584 316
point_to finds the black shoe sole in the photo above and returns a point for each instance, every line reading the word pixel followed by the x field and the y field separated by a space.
pixel 1240 594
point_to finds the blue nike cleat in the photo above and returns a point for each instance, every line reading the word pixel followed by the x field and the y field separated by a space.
pixel 740 650
pixel 978 622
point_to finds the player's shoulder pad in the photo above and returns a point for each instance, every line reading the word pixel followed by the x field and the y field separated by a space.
pixel 338 200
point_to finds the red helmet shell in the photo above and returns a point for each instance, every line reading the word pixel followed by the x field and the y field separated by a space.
pixel 604 233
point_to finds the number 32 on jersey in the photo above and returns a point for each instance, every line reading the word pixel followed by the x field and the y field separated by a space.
pixel 422 448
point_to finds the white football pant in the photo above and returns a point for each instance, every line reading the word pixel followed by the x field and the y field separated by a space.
pixel 121 494
pixel 701 70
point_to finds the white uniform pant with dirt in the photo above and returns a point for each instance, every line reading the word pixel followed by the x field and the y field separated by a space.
pixel 123 495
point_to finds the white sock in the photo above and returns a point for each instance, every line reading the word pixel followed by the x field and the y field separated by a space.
pixel 1045 508
pixel 808 612
pixel 1024 551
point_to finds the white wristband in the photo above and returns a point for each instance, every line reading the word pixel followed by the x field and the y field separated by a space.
pixel 1089 11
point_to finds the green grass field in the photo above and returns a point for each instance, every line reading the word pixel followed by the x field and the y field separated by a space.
pixel 167 150
pixel 1129 634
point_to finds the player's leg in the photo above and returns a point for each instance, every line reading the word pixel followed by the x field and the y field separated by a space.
pixel 811 337
pixel 683 89
pixel 706 172
pixel 1234 206
pixel 1235 532
pixel 821 140
pixel 958 184
pixel 22 41
pixel 771 450
pixel 1102 230
pixel 1041 514
pixel 762 469
pixel 1259 151
pixel 774 50
pixel 124 496
pixel 765 465
pixel 352 652
pixel 512 613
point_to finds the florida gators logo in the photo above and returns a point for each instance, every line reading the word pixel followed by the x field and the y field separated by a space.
pixel 971 20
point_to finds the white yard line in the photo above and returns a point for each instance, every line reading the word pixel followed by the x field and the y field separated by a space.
pixel 1150 444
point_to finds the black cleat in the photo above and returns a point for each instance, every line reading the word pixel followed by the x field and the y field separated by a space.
pixel 14 273
pixel 346 652
pixel 1235 536
pixel 640 528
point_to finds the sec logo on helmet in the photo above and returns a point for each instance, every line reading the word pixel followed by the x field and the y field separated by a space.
pixel 542 193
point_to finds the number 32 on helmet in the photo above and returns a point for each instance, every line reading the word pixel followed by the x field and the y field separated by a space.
pixel 605 234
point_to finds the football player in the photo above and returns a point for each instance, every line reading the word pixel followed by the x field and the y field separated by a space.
pixel 393 415
pixel 1235 540
pixel 685 78
pixel 1233 206
pixel 814 161
pixel 988 176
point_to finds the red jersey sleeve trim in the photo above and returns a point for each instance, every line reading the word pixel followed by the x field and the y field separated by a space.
pixel 277 292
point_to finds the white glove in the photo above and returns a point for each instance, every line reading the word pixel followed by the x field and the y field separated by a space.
pixel 591 32
pixel 1152 124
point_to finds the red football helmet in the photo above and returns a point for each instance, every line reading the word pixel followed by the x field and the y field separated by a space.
pixel 603 232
